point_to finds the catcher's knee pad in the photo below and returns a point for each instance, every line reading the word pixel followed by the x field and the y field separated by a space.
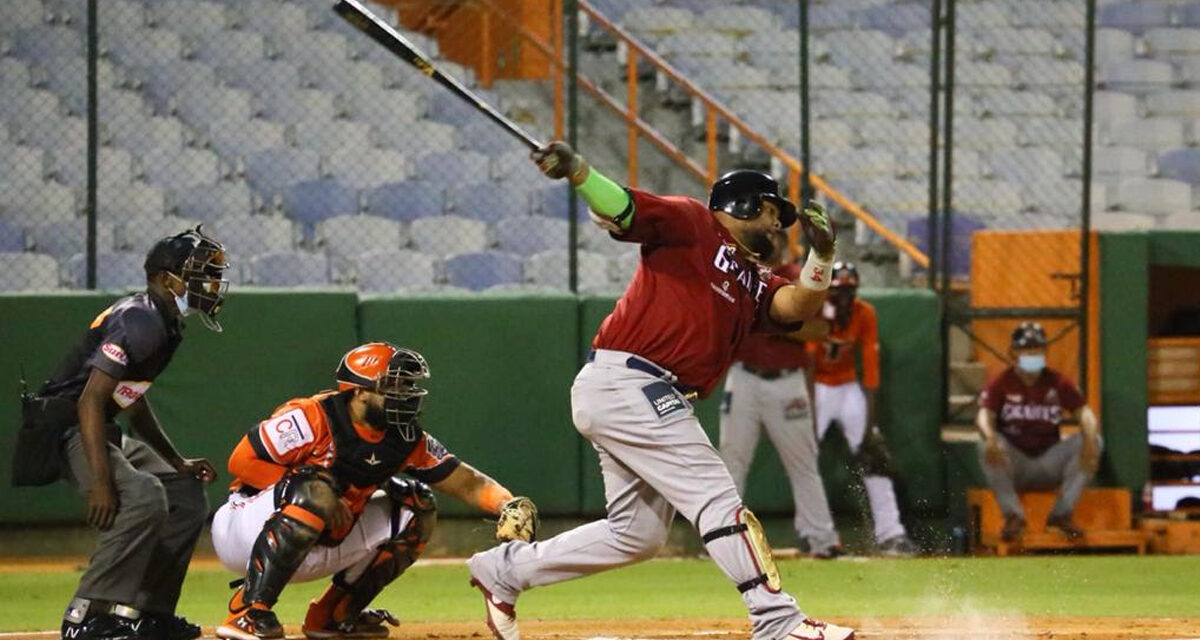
pixel 751 532
pixel 285 540
pixel 310 489
pixel 873 458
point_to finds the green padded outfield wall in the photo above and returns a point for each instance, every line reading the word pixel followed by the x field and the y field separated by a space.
pixel 276 345
pixel 908 410
pixel 499 392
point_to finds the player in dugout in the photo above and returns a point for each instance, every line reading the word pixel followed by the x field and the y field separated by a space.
pixel 702 285
pixel 1020 412
pixel 315 494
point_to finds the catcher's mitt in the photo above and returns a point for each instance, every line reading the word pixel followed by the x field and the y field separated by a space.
pixel 518 520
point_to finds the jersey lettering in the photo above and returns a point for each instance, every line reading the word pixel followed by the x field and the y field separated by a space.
pixel 129 392
pixel 115 353
pixel 287 431
pixel 726 262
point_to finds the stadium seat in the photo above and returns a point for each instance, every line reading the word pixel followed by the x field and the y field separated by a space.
pixel 658 20
pixel 1029 164
pixel 1135 17
pixel 983 134
pixel 52 133
pixel 67 77
pixel 266 77
pixel 27 272
pixel 450 109
pixel 989 16
pixel 69 237
pixel 449 234
pixel 490 202
pixel 322 52
pixel 135 201
pixel 211 202
pixel 1066 133
pixel 696 44
pixel 289 269
pixel 1189 15
pixel 821 17
pixel 12 237
pixel 205 105
pixel 19 164
pixel 139 235
pixel 1120 221
pixel 855 164
pixel 45 42
pixel 1152 195
pixel 849 104
pixel 115 105
pixel 515 166
pixel 1016 103
pixel 143 135
pixel 14 75
pixel 1115 162
pixel 146 47
pixel 116 271
pixel 406 201
pixel 189 17
pixel 114 169
pixel 1181 164
pixel 593 238
pixel 254 235
pixel 961 228
pixel 395 270
pixel 1189 220
pixel 28 105
pixel 180 169
pixel 1171 42
pixel 327 138
pixel 903 196
pixel 1039 13
pixel 22 14
pixel 273 170
pixel 737 20
pixel 361 79
pixel 233 139
pixel 229 48
pixel 873 77
pixel 301 105
pixel 988 197
pixel 896 18
pixel 28 203
pixel 982 74
pixel 1113 45
pixel 1109 106
pixel 451 167
pixel 348 235
pixel 391 109
pixel 481 270
pixel 312 201
pixel 368 168
pixel 117 17
pixel 554 201
pixel 883 132
pixel 1174 103
pixel 860 48
pixel 533 234
pixel 424 135
pixel 1151 134
pixel 274 18
pixel 552 268
pixel 1136 75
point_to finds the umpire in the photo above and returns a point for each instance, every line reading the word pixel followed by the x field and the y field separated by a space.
pixel 146 499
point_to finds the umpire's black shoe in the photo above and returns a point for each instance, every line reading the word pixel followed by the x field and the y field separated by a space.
pixel 105 626
pixel 178 628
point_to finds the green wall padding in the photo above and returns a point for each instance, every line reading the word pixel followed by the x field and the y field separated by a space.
pixel 1175 248
pixel 499 392
pixel 276 345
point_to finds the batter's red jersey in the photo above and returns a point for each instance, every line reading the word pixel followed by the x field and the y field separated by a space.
pixel 692 299
pixel 834 357
pixel 767 351
pixel 1029 416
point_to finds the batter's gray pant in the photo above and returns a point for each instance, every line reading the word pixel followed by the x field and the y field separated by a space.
pixel 142 559
pixel 655 459
pixel 782 408
pixel 1059 466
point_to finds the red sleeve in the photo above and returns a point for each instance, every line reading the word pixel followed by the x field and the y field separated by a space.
pixel 663 220
pixel 1069 394
pixel 763 323
pixel 992 396
pixel 868 338
pixel 429 461
pixel 252 470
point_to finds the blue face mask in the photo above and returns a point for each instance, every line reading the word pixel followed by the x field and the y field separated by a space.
pixel 1031 362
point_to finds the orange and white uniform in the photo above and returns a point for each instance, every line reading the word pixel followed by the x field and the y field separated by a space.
pixel 835 357
pixel 318 431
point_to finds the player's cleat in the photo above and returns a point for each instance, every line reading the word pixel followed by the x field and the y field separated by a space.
pixel 105 626
pixel 369 624
pixel 1014 526
pixel 1065 526
pixel 251 624
pixel 832 552
pixel 898 547
pixel 811 629
pixel 501 616
pixel 165 627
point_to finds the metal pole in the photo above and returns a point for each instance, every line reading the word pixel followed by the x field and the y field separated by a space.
pixel 947 205
pixel 1089 57
pixel 806 189
pixel 93 53
pixel 572 13
pixel 935 88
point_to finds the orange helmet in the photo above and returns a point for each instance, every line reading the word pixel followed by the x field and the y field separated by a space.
pixel 389 370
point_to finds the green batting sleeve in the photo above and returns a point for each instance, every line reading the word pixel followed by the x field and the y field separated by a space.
pixel 607 198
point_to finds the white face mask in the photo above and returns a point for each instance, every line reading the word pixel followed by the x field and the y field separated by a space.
pixel 181 303
pixel 1031 362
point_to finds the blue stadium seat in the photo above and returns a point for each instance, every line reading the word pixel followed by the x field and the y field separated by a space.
pixel 114 170
pixel 146 47
pixel 69 237
pixel 1117 162
pixel 1153 195
pixel 1135 17
pixel 180 169
pixel 481 270
pixel 388 108
pixel 245 235
pixel 896 18
pixel 449 234
pixel 67 77
pixel 395 270
pixel 118 271
pixel 28 105
pixel 130 202
pixel 1174 103
pixel 489 201
pixel 22 14
pixel 432 137
pixel 554 201
pixel 1136 75
pixel 273 170
pixel 1113 45
pixel 210 202
pixel 229 48
pixel 1026 165
pixel 265 77
pixel 515 167
pixel 327 138
pixel 189 17
pixel 235 138
pixel 52 133
pixel 27 272
pixel 449 108
pixel 289 269
pixel 533 234
pixel 1181 164
pixel 368 168
pixel 12 237
pixel 450 167
pixel 114 105
pixel 552 269
pixel 485 137
pixel 205 105
pixel 347 235
pixel 362 78
pixel 325 52
pixel 274 18
pixel 1111 106
pixel 406 201
pixel 301 105
pixel 21 164
pixel 1151 134
pixel 28 203
pixel 143 135
pixel 315 200
pixel 44 42
pixel 14 75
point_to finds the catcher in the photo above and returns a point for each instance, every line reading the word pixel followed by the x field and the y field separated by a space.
pixel 315 495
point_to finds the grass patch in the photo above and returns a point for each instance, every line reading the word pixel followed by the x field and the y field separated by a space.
pixel 1156 586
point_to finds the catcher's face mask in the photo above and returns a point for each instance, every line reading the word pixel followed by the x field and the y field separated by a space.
pixel 402 398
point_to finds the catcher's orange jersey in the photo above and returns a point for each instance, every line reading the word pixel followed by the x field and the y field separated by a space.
pixel 834 357
pixel 301 432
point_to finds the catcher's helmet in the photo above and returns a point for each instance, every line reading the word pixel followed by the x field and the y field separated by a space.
pixel 391 371
pixel 741 193
pixel 199 261
pixel 1028 335
pixel 845 274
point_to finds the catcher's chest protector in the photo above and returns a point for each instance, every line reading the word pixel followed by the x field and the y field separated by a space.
pixel 356 461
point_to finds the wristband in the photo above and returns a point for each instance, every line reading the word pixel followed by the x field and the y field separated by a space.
pixel 817 272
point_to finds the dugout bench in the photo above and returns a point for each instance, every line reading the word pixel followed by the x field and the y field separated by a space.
pixel 1105 515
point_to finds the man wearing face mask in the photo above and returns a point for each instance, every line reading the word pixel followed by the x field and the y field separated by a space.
pixel 145 498
pixel 315 495
pixel 840 397
pixel 1026 404
pixel 702 285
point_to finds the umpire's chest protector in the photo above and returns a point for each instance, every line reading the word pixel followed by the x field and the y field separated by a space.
pixel 359 462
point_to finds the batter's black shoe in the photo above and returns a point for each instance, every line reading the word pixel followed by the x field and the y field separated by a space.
pixel 105 626
pixel 251 624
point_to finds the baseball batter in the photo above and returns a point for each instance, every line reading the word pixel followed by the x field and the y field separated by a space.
pixel 769 387
pixel 840 397
pixel 698 291
pixel 314 495
pixel 144 497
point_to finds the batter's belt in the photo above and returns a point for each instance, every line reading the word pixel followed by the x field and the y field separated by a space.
pixel 639 363
pixel 768 374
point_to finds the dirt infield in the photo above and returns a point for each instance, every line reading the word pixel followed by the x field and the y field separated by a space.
pixel 911 628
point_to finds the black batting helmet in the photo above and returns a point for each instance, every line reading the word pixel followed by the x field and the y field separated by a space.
pixel 845 274
pixel 199 261
pixel 1028 335
pixel 741 193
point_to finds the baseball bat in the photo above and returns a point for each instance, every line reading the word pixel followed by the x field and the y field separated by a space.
pixel 362 19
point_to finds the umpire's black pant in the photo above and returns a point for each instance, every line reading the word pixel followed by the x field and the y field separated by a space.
pixel 142 559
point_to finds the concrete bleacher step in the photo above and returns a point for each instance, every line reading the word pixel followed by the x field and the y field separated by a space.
pixel 967 378
pixel 1105 515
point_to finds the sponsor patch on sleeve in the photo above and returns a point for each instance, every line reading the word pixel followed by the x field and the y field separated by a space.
pixel 115 353
pixel 129 391
pixel 286 432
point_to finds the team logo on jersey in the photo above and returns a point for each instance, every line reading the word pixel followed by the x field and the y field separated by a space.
pixel 435 448
pixel 1052 396
pixel 663 399
pixel 114 352
pixel 287 431
pixel 373 461
pixel 129 392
